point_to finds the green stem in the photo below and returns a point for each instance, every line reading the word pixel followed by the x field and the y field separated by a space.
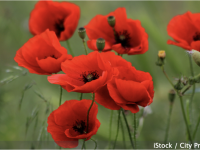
pixel 83 144
pixel 69 48
pixel 89 112
pixel 193 90
pixel 60 95
pixel 186 89
pixel 168 123
pixel 127 126
pixel 95 143
pixel 84 44
pixel 182 107
pixel 111 116
pixel 135 128
pixel 196 127
pixel 81 96
pixel 124 141
pixel 117 128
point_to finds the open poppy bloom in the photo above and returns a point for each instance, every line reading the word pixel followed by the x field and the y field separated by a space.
pixel 185 30
pixel 42 54
pixel 84 73
pixel 60 17
pixel 128 90
pixel 130 37
pixel 68 123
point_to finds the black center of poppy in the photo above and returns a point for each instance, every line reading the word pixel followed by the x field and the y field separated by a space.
pixel 123 38
pixel 79 126
pixel 59 26
pixel 53 56
pixel 91 75
pixel 196 36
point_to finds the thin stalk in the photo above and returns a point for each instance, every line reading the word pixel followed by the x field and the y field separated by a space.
pixel 193 91
pixel 135 128
pixel 89 112
pixel 69 48
pixel 123 135
pixel 111 116
pixel 81 96
pixel 95 143
pixel 186 89
pixel 118 121
pixel 83 144
pixel 182 107
pixel 60 95
pixel 84 44
pixel 196 127
pixel 168 123
pixel 127 126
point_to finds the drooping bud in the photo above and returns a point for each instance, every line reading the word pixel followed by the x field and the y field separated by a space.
pixel 100 44
pixel 172 95
pixel 161 58
pixel 111 21
pixel 82 32
pixel 178 85
pixel 196 57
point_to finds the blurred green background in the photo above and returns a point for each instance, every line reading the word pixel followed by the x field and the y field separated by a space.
pixel 154 17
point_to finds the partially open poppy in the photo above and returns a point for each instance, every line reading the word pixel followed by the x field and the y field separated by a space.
pixel 60 17
pixel 127 90
pixel 185 30
pixel 42 54
pixel 130 37
pixel 84 73
pixel 68 123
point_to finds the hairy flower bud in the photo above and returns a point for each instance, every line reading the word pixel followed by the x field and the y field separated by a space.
pixel 161 58
pixel 178 85
pixel 196 56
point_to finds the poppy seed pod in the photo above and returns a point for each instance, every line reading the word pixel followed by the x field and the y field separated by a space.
pixel 172 95
pixel 196 57
pixel 100 44
pixel 111 21
pixel 81 32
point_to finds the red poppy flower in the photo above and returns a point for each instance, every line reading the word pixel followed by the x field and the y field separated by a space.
pixel 130 38
pixel 84 73
pixel 185 30
pixel 42 54
pixel 60 17
pixel 68 123
pixel 128 90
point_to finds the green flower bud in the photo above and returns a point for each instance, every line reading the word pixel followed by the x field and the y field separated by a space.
pixel 100 44
pixel 82 32
pixel 178 85
pixel 111 21
pixel 196 57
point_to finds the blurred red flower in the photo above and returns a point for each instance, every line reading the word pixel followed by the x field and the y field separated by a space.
pixel 60 17
pixel 127 90
pixel 42 54
pixel 68 123
pixel 84 73
pixel 185 30
pixel 130 38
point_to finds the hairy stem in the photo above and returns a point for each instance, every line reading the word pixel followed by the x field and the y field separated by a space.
pixel 69 48
pixel 111 116
pixel 118 121
pixel 168 123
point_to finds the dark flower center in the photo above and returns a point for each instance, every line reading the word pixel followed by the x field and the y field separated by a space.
pixel 91 75
pixel 79 126
pixel 53 56
pixel 196 37
pixel 123 38
pixel 59 27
